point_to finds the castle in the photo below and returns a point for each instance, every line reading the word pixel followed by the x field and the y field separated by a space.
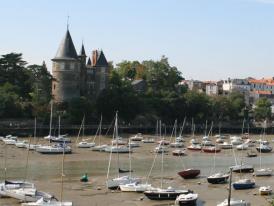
pixel 74 76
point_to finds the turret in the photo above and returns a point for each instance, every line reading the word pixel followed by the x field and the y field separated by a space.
pixel 66 71
pixel 83 70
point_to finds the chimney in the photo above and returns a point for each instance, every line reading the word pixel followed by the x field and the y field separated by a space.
pixel 94 57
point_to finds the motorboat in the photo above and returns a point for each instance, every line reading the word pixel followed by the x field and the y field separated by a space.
pixel 235 140
pixel 263 172
pixel 234 202
pixel 194 147
pixel 43 202
pixel 137 137
pixel 211 149
pixel 265 190
pixel 243 168
pixel 218 178
pixel 115 183
pixel 85 144
pixel 186 199
pixel 177 144
pixel 135 187
pixel 10 137
pixel 226 145
pixel 164 194
pixel 148 140
pixel 118 149
pixel 189 173
pixel 54 149
pixel 179 152
pixel 264 148
pixel 243 184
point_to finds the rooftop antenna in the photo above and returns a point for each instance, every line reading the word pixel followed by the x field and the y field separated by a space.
pixel 68 22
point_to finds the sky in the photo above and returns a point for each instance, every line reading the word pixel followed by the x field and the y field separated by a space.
pixel 204 39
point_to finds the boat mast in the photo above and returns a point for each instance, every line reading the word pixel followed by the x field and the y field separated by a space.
pixel 116 137
pixel 62 174
pixel 80 130
pixel 35 125
pixel 50 121
pixel 110 155
pixel 229 191
pixel 59 121
pixel 162 162
pixel 206 128
pixel 100 129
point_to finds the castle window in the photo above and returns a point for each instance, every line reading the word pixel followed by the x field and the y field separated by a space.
pixel 54 86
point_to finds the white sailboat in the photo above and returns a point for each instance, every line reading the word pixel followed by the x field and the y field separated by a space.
pixel 116 182
pixel 263 171
pixel 49 136
pixel 84 143
pixel 52 201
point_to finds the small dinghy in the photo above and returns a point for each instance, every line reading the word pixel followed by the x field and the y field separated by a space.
pixel 186 199
pixel 251 153
pixel 264 148
pixel 265 190
pixel 263 172
pixel 211 149
pixel 194 147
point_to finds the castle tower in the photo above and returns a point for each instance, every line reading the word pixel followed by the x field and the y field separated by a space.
pixel 100 64
pixel 66 71
pixel 83 71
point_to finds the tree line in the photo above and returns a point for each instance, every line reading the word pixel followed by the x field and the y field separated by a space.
pixel 25 92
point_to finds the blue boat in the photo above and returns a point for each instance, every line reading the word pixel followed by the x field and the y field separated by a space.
pixel 243 184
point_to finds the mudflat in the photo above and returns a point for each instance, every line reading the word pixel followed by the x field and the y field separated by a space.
pixel 45 172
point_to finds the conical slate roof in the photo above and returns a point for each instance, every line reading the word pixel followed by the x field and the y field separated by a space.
pixel 66 50
pixel 82 52
pixel 101 60
pixel 89 62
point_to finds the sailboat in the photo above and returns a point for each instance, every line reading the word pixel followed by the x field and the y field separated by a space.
pixel 263 171
pixel 28 194
pixel 176 143
pixel 219 177
pixel 52 201
pixel 11 184
pixel 190 172
pixel 160 193
pixel 195 145
pixel 60 138
pixel 116 182
pixel 186 199
pixel 241 168
pixel 84 143
pixel 35 145
pixel 50 122
pixel 135 186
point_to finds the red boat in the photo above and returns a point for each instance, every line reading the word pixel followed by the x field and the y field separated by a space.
pixel 194 147
pixel 189 173
pixel 211 149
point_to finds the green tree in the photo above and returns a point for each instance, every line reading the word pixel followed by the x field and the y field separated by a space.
pixel 13 71
pixel 262 109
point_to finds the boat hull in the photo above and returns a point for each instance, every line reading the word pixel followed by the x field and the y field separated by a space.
pixel 155 195
pixel 241 186
pixel 217 180
pixel 187 203
pixel 189 174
